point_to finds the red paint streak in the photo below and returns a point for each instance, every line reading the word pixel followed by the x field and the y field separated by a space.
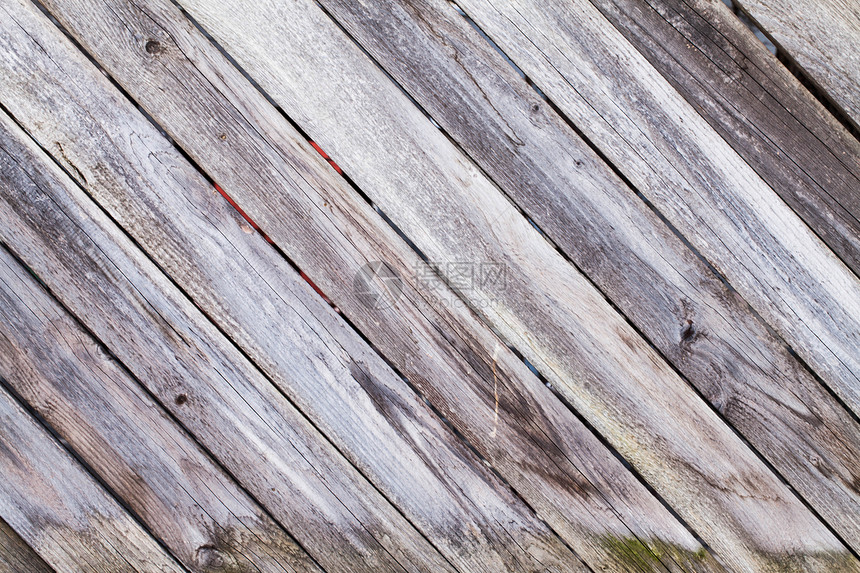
pixel 326 157
pixel 265 236
pixel 235 206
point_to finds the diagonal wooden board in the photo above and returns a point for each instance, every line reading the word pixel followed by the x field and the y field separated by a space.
pixel 60 511
pixel 103 414
pixel 16 556
pixel 690 174
pixel 206 383
pixel 753 101
pixel 697 323
pixel 397 157
pixel 823 37
pixel 552 459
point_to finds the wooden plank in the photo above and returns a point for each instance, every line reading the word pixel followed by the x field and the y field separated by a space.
pixel 590 213
pixel 60 511
pixel 558 320
pixel 757 106
pixel 372 416
pixel 195 372
pixel 544 451
pixel 691 175
pixel 16 556
pixel 823 37
pixel 188 503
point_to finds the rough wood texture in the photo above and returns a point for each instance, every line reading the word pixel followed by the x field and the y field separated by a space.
pixel 443 203
pixel 757 105
pixel 690 174
pixel 371 415
pixel 530 437
pixel 190 505
pixel 707 332
pixel 60 511
pixel 16 556
pixel 823 37
pixel 218 395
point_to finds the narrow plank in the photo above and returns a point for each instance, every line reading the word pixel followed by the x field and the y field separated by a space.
pixel 371 415
pixel 182 498
pixel 545 452
pixel 16 556
pixel 621 245
pixel 823 37
pixel 549 311
pixel 753 101
pixel 206 383
pixel 60 511
pixel 691 175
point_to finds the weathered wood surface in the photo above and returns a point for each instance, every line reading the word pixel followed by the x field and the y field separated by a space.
pixel 705 330
pixel 823 37
pixel 757 105
pixel 16 556
pixel 188 503
pixel 554 317
pixel 60 511
pixel 361 405
pixel 194 371
pixel 546 454
pixel 690 174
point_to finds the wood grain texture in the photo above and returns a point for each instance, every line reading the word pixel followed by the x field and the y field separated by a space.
pixel 691 175
pixel 60 511
pixel 547 455
pixel 707 332
pixel 757 106
pixel 370 414
pixel 16 556
pixel 188 503
pixel 823 37
pixel 208 385
pixel 550 312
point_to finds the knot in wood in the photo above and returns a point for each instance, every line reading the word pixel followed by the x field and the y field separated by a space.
pixel 153 47
pixel 210 558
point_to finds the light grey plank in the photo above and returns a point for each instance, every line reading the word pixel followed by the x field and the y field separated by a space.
pixel 16 556
pixel 549 311
pixel 60 511
pixel 754 102
pixel 823 37
pixel 187 502
pixel 218 395
pixel 549 457
pixel 706 331
pixel 691 175
pixel 371 415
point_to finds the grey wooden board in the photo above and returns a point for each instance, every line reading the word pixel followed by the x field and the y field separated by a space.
pixel 823 37
pixel 443 203
pixel 379 423
pixel 710 335
pixel 16 556
pixel 690 174
pixel 547 455
pixel 757 105
pixel 188 503
pixel 208 385
pixel 60 511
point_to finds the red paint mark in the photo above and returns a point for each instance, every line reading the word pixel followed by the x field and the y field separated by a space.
pixel 241 212
pixel 317 289
pixel 326 157
pixel 265 236
pixel 235 206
